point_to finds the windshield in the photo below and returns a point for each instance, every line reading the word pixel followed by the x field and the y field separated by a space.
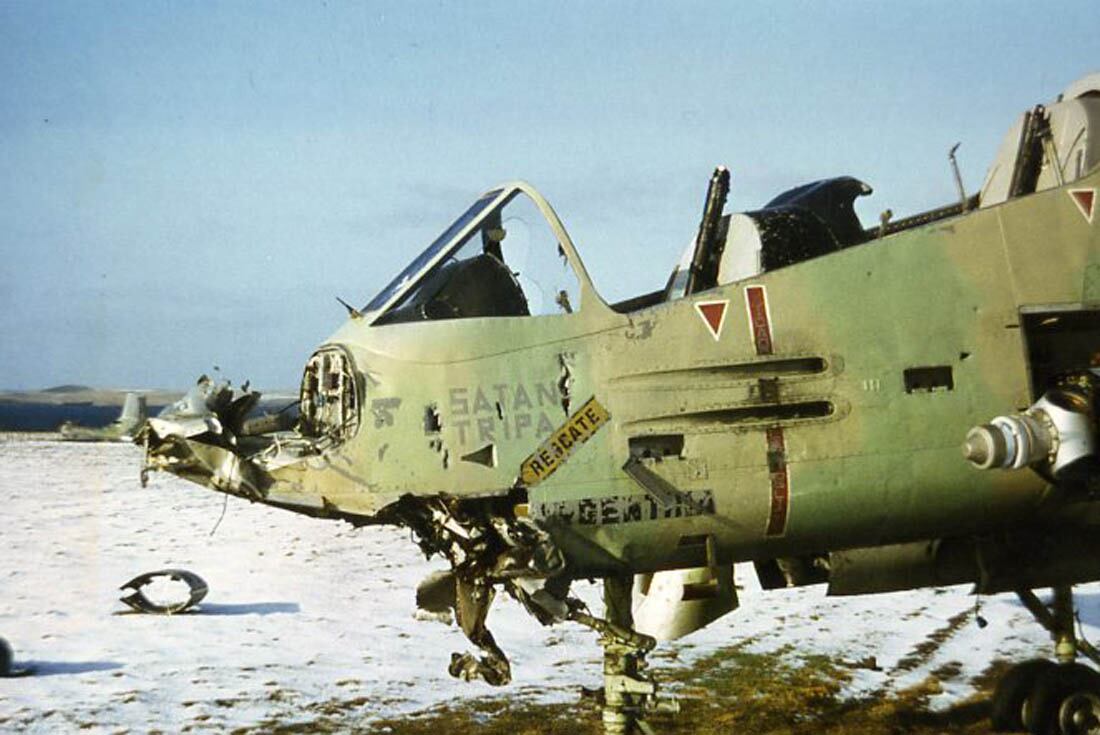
pixel 406 276
pixel 501 258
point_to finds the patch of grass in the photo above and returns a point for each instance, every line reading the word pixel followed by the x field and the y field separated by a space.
pixel 948 671
pixel 337 707
pixel 926 649
pixel 987 680
pixel 497 717
pixel 281 695
pixel 732 690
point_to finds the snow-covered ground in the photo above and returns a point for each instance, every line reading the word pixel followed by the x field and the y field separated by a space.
pixel 303 613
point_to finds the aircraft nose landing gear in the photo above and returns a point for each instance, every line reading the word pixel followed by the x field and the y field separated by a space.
pixel 1043 697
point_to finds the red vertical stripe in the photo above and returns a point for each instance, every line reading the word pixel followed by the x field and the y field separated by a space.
pixel 780 483
pixel 757 301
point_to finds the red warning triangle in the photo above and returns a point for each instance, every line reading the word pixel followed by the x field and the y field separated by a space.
pixel 1084 199
pixel 713 314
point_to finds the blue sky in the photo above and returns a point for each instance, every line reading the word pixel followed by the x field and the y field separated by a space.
pixel 191 184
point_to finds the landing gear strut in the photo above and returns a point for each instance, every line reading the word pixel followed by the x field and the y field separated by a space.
pixel 629 692
pixel 1044 697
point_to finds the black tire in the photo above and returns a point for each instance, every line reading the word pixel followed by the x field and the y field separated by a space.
pixel 1053 687
pixel 5 658
pixel 1080 714
pixel 1006 711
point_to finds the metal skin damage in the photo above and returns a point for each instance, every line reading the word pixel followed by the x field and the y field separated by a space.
pixel 791 397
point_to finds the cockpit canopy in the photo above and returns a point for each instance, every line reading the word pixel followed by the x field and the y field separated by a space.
pixel 506 255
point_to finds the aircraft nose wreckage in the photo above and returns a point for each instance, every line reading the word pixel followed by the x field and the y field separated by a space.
pixel 794 396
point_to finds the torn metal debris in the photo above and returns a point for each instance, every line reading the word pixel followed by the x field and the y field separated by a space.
pixel 565 381
pixel 203 434
pixel 488 545
pixel 143 604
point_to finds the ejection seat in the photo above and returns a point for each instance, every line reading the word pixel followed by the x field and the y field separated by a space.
pixel 1047 147
pixel 1066 132
pixel 802 223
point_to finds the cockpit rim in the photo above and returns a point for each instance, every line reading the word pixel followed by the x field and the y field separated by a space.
pixel 505 193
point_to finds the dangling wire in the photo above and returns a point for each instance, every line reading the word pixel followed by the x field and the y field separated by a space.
pixel 1081 628
pixel 225 504
pixel 982 622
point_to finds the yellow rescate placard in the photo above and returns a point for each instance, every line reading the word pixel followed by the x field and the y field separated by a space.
pixel 553 452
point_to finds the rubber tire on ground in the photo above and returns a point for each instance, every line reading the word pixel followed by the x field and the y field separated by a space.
pixel 1052 687
pixel 1006 710
pixel 5 658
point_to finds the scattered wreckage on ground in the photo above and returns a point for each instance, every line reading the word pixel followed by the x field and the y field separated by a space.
pixel 123 429
pixel 138 601
pixel 794 396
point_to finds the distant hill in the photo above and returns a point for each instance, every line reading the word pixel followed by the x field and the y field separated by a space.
pixel 45 410
pixel 82 394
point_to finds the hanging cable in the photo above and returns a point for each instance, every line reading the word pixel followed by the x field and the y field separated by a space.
pixel 225 504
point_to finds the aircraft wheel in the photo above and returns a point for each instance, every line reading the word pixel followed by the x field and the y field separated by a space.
pixel 1065 701
pixel 1011 694
pixel 1080 714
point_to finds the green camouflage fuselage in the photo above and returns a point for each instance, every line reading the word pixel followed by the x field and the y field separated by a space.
pixel 801 439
